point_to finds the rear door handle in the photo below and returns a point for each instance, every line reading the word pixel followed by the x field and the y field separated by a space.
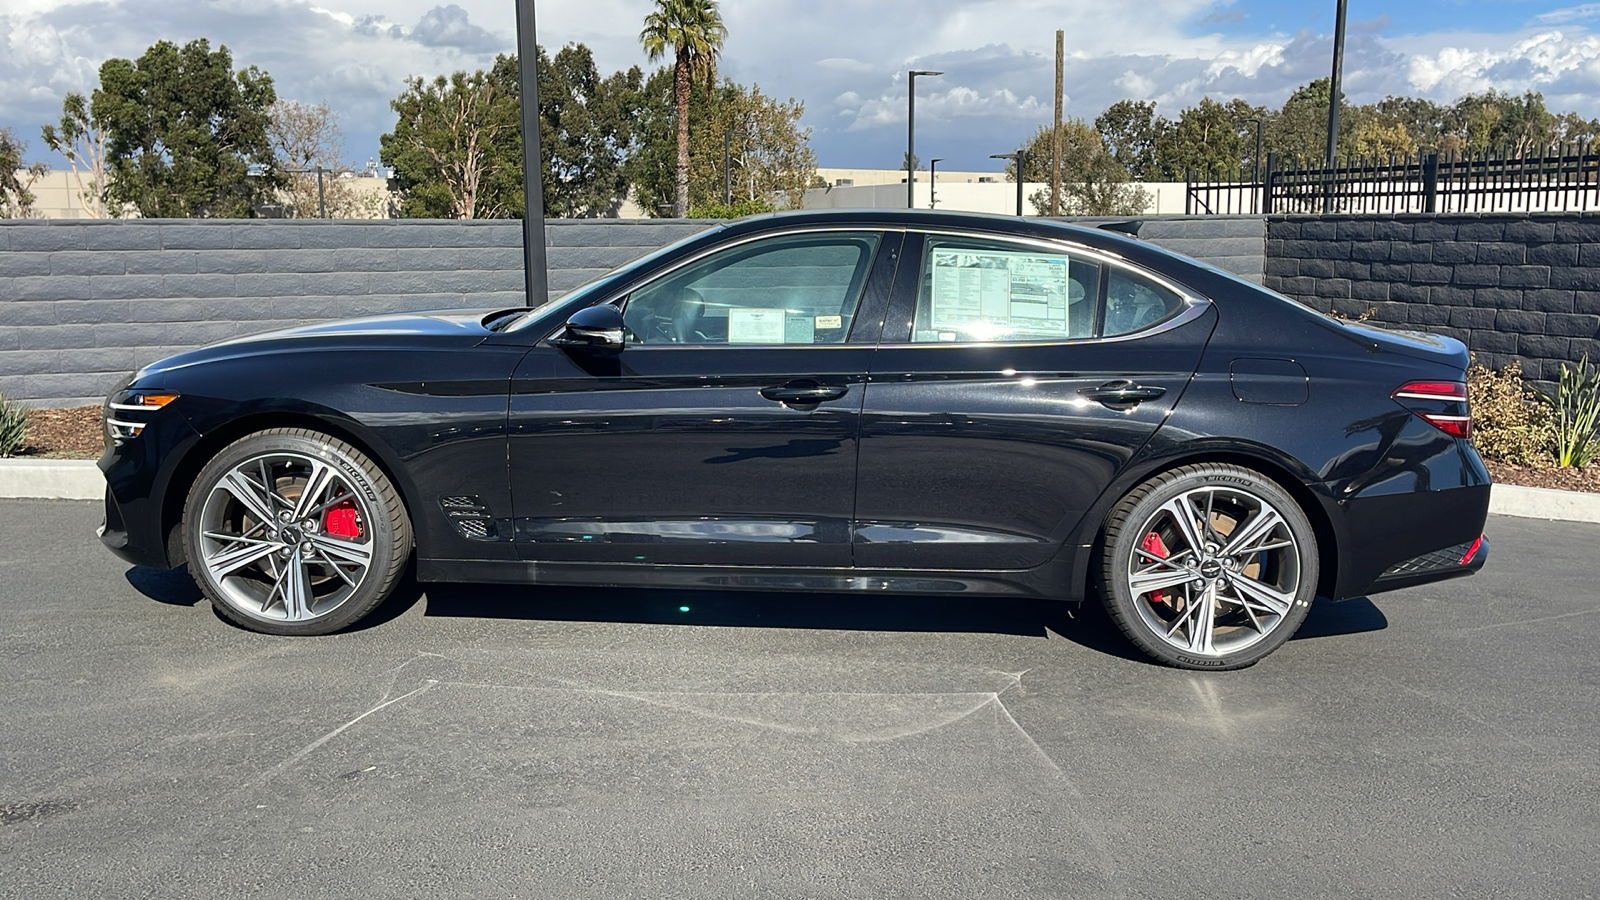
pixel 804 392
pixel 1121 393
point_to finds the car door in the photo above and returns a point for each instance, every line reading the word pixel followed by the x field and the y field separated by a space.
pixel 1014 381
pixel 724 431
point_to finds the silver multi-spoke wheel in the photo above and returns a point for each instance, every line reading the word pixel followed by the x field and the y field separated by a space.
pixel 293 534
pixel 1210 566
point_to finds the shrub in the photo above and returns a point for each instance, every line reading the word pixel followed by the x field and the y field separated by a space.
pixel 13 426
pixel 1509 424
pixel 1576 413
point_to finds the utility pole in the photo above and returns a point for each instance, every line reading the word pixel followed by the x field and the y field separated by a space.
pixel 1333 107
pixel 536 279
pixel 1055 136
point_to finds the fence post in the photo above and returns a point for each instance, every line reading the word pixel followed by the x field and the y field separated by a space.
pixel 1188 192
pixel 1267 179
pixel 1430 183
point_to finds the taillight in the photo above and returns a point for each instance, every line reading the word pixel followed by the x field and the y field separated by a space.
pixel 1442 404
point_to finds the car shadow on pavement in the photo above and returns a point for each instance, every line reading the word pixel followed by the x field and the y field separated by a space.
pixel 1329 619
pixel 171 586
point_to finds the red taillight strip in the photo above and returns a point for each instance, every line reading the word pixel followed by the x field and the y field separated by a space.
pixel 1455 426
pixel 1472 551
pixel 1432 390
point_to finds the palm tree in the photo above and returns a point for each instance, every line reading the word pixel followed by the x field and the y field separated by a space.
pixel 694 31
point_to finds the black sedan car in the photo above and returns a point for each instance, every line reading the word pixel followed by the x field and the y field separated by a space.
pixel 860 401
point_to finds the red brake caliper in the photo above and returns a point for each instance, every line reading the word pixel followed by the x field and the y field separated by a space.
pixel 1153 545
pixel 342 521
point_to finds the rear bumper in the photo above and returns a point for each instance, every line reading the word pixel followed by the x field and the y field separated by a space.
pixel 1439 565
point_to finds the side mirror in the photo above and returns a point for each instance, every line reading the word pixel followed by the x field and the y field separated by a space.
pixel 593 328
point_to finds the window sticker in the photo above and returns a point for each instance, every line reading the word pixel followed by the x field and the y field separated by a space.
pixel 748 325
pixel 799 329
pixel 989 293
pixel 826 322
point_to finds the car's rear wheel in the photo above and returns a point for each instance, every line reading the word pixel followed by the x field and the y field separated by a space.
pixel 1209 566
pixel 290 531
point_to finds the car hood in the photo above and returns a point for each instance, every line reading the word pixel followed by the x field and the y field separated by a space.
pixel 397 330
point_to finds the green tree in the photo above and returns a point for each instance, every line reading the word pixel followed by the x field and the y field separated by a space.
pixel 587 132
pixel 183 131
pixel 1132 130
pixel 16 179
pixel 1205 140
pixel 1298 132
pixel 693 31
pixel 82 140
pixel 1093 182
pixel 457 147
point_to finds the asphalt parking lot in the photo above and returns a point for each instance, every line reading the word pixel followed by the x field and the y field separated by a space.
pixel 479 741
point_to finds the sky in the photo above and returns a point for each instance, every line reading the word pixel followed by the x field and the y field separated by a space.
pixel 844 59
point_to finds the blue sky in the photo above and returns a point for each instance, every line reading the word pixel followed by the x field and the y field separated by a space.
pixel 846 59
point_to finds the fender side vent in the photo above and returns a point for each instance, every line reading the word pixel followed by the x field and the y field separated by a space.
pixel 470 517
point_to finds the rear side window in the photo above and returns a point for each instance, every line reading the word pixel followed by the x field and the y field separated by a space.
pixel 1134 302
pixel 982 290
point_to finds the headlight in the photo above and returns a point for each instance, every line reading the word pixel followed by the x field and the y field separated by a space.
pixel 127 412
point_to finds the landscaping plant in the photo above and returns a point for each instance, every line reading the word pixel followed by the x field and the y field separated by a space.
pixel 1508 423
pixel 13 426
pixel 1576 412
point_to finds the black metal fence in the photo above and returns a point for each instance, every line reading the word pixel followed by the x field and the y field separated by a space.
pixel 1557 180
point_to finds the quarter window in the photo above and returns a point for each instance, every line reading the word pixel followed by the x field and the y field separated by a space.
pixel 1133 303
pixel 795 289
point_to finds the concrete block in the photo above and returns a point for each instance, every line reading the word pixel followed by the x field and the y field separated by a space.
pixel 1423 314
pixel 506 258
pixel 1574 278
pixel 1559 254
pixel 1446 295
pixel 301 260
pixel 1355 229
pixel 1299 287
pixel 1370 290
pixel 230 262
pixel 1349 268
pixel 1283 229
pixel 173 310
pixel 1392 230
pixel 198 285
pixel 1317 268
pixel 1472 317
pixel 1394 313
pixel 90 312
pixel 413 302
pixel 1584 302
pixel 1335 288
pixel 9 339
pixel 47 237
pixel 339 283
pixel 15 265
pixel 1525 276
pixel 1527 231
pixel 198 234
pixel 401 283
pixel 1404 290
pixel 1282 266
pixel 1370 251
pixel 1413 252
pixel 480 282
pixel 126 287
pixel 316 308
pixel 1572 325
pixel 162 334
pixel 1520 321
pixel 1388 271
pixel 1502 254
pixel 14 313
pixel 1424 273
pixel 478 235
pixel 272 284
pixel 55 337
pixel 407 235
pixel 331 235
pixel 160 262
pixel 121 234
pixel 1447 253
pixel 370 259
pixel 1331 249
pixel 1581 346
pixel 1543 347
pixel 62 389
pixel 265 235
pixel 99 359
pixel 1494 342
pixel 1354 309
pixel 1482 230
pixel 431 259
pixel 30 362
pixel 1576 231
pixel 1319 230
pixel 236 309
pixel 1475 275
pixel 1433 230
pixel 1551 300
pixel 1498 298
pixel 51 287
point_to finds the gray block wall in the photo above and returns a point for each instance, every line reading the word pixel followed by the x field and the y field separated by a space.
pixel 83 303
pixel 1522 287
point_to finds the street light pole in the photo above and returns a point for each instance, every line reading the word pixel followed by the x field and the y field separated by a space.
pixel 536 279
pixel 933 181
pixel 1020 156
pixel 1333 105
pixel 911 136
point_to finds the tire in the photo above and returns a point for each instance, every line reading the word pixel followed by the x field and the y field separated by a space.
pixel 290 531
pixel 1217 597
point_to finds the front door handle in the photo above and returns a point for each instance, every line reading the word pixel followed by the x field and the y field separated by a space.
pixel 1121 393
pixel 804 392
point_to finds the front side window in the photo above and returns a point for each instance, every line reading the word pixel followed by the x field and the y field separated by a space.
pixel 793 289
pixel 982 290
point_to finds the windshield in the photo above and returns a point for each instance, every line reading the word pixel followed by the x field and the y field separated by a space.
pixel 602 284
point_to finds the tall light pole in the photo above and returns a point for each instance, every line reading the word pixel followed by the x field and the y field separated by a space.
pixel 536 279
pixel 1020 156
pixel 1333 104
pixel 933 181
pixel 911 136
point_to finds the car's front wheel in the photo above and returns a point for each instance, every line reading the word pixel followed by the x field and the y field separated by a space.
pixel 1209 566
pixel 290 531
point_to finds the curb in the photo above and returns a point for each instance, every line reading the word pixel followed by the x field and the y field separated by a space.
pixel 75 479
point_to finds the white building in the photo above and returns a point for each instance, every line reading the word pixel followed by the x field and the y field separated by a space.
pixel 987 192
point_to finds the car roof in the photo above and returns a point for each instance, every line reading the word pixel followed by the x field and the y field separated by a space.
pixel 1099 238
